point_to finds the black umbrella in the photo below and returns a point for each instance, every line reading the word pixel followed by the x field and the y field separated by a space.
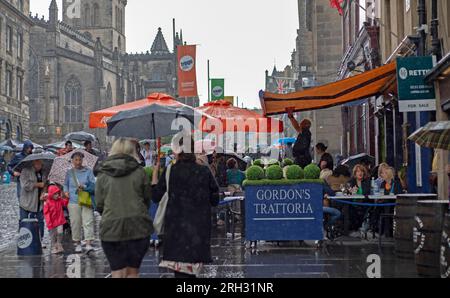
pixel 152 122
pixel 365 158
pixel 80 136
pixel 47 158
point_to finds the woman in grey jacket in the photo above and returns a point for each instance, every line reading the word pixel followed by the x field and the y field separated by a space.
pixel 32 182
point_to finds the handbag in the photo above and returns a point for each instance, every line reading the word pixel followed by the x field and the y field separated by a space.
pixel 84 197
pixel 158 222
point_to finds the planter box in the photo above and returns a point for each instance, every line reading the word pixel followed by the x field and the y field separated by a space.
pixel 284 211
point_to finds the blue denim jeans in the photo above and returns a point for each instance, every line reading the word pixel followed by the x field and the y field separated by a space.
pixel 334 214
pixel 39 215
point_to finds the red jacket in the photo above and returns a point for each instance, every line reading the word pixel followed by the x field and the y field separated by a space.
pixel 53 209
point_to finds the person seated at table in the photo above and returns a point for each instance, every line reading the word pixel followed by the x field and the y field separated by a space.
pixel 235 177
pixel 326 166
pixel 391 184
pixel 334 214
pixel 340 177
pixel 360 183
pixel 377 173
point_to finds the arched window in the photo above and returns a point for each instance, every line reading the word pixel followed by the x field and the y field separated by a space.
pixel 96 15
pixel 109 97
pixel 8 133
pixel 19 136
pixel 73 112
pixel 87 15
pixel 20 3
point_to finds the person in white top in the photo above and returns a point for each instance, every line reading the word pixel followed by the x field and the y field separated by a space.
pixel 147 154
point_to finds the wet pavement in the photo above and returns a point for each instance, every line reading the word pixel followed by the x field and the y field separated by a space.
pixel 341 259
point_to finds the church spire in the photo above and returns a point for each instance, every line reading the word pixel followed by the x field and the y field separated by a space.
pixel 53 12
pixel 159 46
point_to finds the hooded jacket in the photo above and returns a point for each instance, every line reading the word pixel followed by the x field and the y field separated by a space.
pixel 123 194
pixel 19 156
pixel 53 208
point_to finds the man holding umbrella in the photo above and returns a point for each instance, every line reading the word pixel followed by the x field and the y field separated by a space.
pixel 26 150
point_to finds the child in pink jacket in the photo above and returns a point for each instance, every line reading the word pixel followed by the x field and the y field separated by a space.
pixel 54 217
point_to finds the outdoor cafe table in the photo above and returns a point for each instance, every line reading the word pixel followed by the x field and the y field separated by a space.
pixel 346 208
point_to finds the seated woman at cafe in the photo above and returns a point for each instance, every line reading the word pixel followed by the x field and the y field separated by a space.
pixel 340 177
pixel 360 183
pixel 390 184
pixel 235 177
pixel 326 166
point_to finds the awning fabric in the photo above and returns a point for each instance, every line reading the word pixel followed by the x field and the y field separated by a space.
pixel 234 119
pixel 367 84
pixel 99 119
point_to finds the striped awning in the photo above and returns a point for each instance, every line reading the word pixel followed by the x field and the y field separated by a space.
pixel 365 85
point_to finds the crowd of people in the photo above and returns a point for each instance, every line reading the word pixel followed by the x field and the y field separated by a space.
pixel 191 182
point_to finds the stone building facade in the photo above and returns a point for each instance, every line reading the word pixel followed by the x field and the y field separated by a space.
pixel 319 49
pixel 15 27
pixel 81 65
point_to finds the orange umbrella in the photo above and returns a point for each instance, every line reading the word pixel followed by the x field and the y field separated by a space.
pixel 99 119
pixel 234 119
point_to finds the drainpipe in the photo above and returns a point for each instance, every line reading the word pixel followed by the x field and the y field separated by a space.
pixel 435 42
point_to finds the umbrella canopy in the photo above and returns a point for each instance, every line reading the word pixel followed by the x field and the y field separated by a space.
pixel 231 116
pixel 352 161
pixel 60 145
pixel 433 135
pixel 47 158
pixel 80 136
pixel 285 141
pixel 100 118
pixel 36 146
pixel 63 164
pixel 152 121
pixel 6 148
pixel 10 143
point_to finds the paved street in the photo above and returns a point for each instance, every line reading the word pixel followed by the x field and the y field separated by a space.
pixel 231 258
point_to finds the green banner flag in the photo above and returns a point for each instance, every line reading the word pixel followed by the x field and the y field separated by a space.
pixel 217 89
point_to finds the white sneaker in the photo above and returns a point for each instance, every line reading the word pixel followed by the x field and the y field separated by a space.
pixel 78 249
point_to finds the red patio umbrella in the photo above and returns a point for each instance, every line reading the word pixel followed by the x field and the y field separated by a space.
pixel 99 119
pixel 234 119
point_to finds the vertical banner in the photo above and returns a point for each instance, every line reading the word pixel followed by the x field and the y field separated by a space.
pixel 187 75
pixel 217 89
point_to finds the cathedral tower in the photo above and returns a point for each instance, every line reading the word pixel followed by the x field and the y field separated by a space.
pixel 104 19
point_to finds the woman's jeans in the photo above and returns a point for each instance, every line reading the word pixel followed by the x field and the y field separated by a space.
pixel 334 214
pixel 39 215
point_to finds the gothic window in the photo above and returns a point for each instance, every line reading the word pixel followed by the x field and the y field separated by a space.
pixel 20 5
pixel 308 15
pixel 8 83
pixel 87 15
pixel 96 15
pixel 119 43
pixel 109 96
pixel 73 101
pixel 8 133
pixel 20 45
pixel 9 39
pixel 19 133
pixel 19 88
pixel 34 111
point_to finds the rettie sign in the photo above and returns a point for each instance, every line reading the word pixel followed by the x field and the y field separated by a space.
pixel 413 93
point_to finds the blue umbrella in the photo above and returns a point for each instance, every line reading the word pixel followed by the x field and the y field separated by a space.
pixel 6 148
pixel 285 141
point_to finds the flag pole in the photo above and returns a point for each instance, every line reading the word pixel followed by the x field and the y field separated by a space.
pixel 209 85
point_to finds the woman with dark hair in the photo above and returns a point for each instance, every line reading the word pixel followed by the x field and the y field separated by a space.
pixel 79 179
pixel 192 192
pixel 321 149
pixel 326 166
pixel 235 177
pixel 340 177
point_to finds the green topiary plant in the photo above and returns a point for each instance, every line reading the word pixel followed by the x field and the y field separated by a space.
pixel 273 162
pixel 274 172
pixel 254 173
pixel 258 163
pixel 287 162
pixel 312 172
pixel 295 172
